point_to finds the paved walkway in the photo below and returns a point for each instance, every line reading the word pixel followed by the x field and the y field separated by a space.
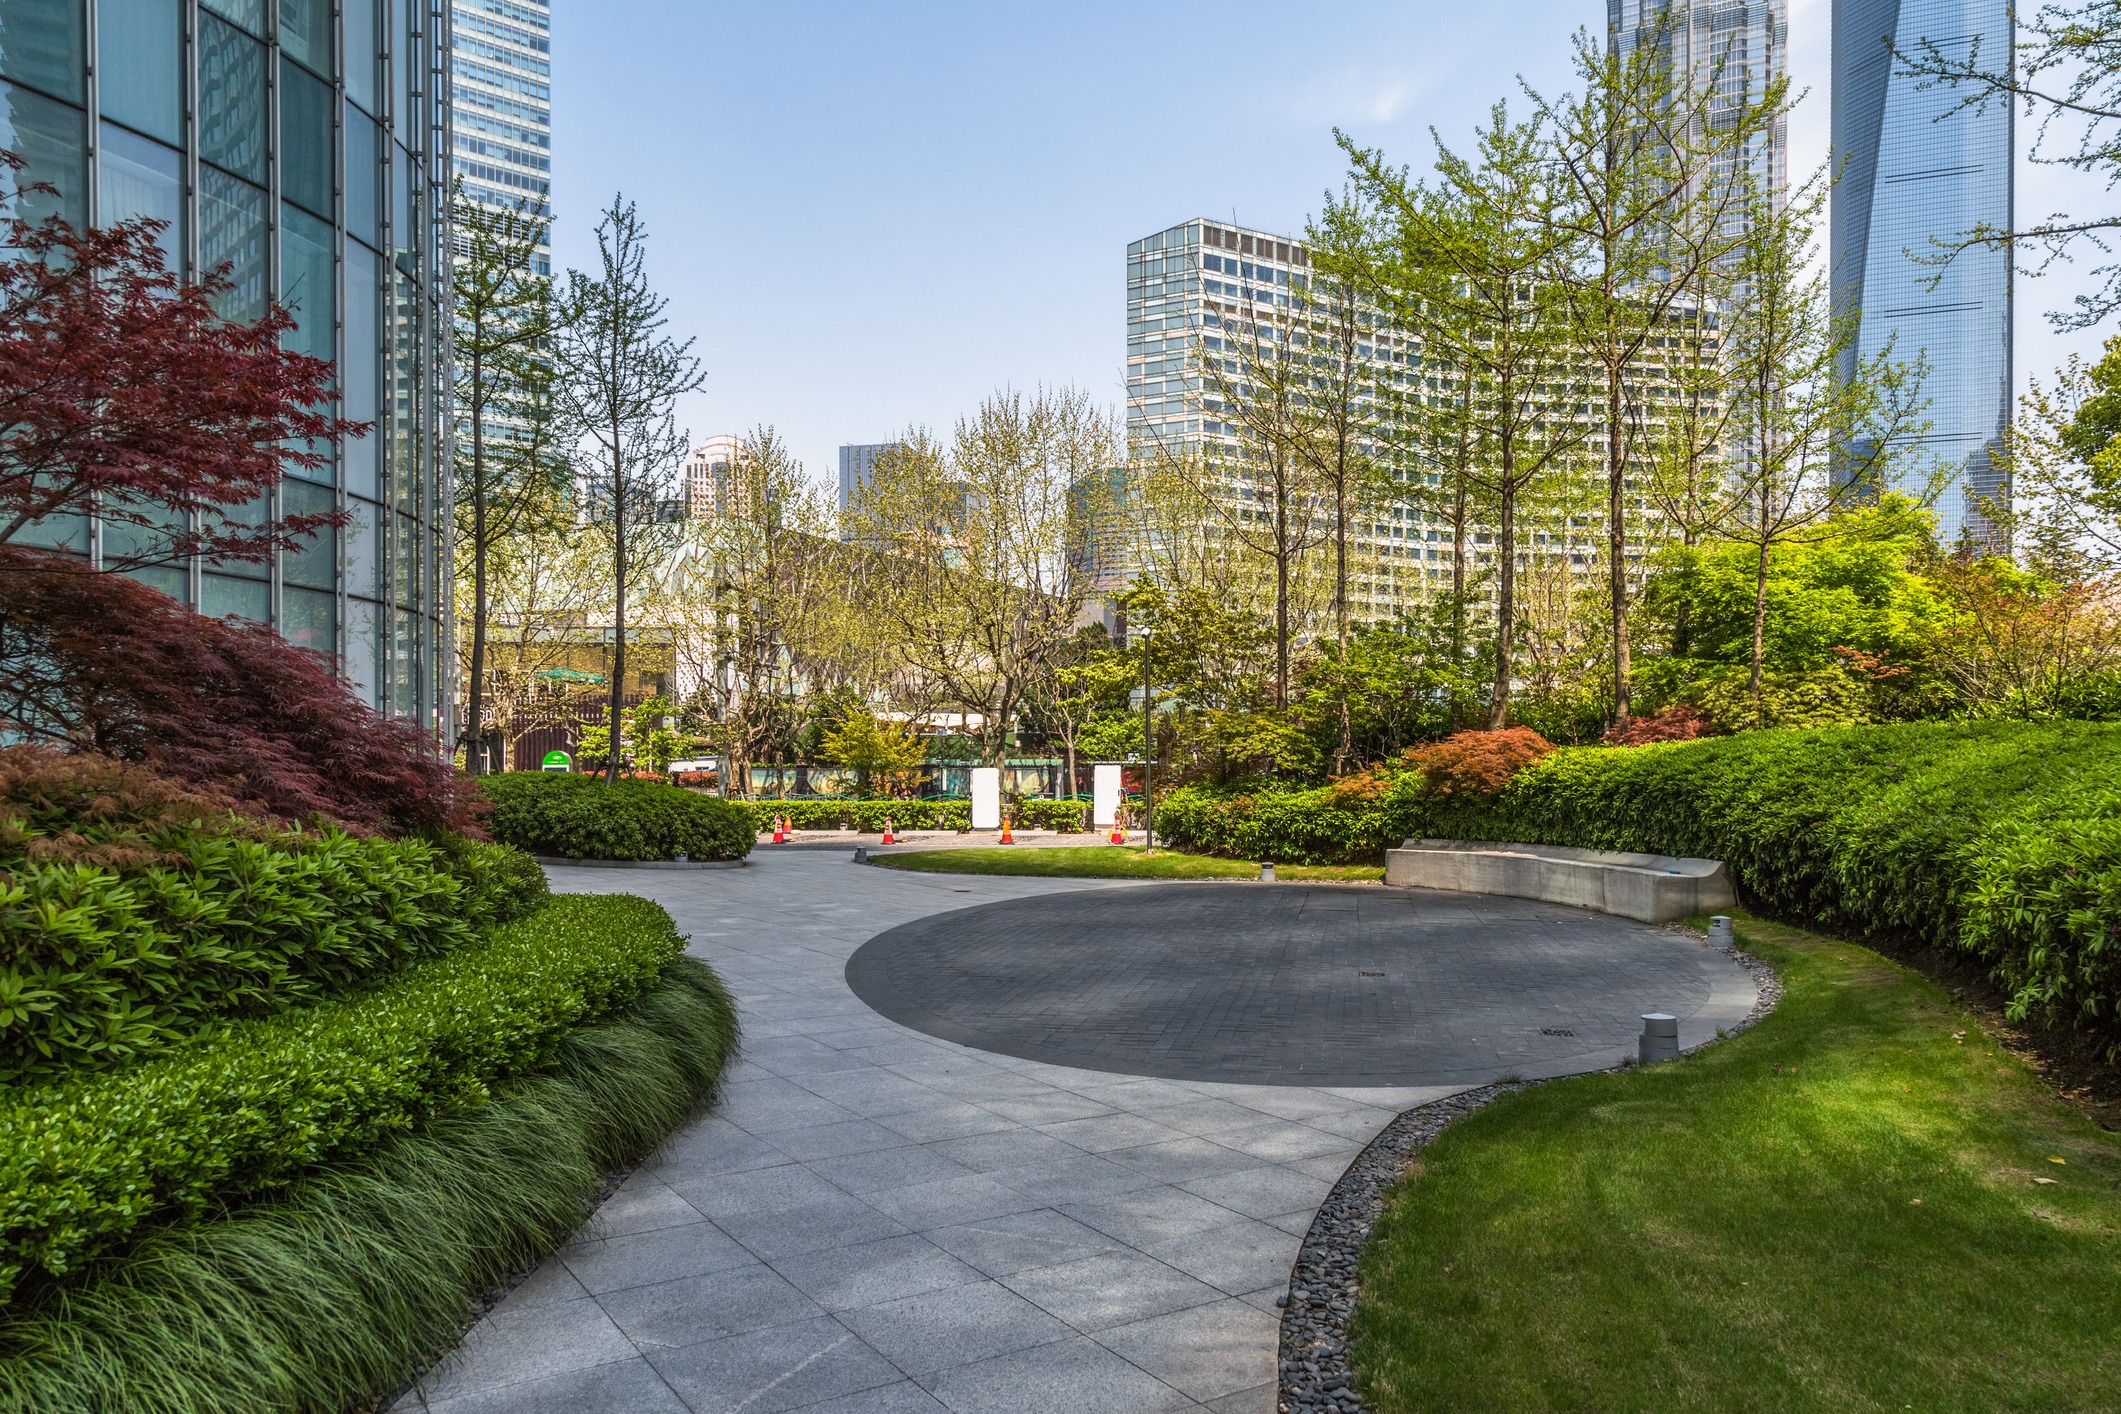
pixel 878 1220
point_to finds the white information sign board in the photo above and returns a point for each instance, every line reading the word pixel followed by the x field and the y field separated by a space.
pixel 1104 793
pixel 986 798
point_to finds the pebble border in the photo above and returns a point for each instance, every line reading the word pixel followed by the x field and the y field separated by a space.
pixel 1313 1371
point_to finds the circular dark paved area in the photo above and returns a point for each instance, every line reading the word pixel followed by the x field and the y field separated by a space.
pixel 1292 984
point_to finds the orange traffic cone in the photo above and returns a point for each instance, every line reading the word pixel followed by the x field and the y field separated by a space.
pixel 780 829
pixel 1007 838
pixel 1119 836
pixel 889 832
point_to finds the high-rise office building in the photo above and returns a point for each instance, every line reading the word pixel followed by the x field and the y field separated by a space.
pixel 1917 175
pixel 712 470
pixel 1195 289
pixel 858 469
pixel 501 100
pixel 303 145
pixel 1731 52
pixel 1184 285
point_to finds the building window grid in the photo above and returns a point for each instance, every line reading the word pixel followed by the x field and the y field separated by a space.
pixel 417 470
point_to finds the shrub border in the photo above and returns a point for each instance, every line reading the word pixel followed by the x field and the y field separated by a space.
pixel 328 1296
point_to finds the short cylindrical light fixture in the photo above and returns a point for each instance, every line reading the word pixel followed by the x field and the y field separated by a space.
pixel 861 854
pixel 1720 930
pixel 1266 871
pixel 1660 1037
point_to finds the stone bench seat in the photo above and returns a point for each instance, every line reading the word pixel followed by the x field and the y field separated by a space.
pixel 1655 888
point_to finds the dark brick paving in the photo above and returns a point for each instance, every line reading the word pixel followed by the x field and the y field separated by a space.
pixel 1287 984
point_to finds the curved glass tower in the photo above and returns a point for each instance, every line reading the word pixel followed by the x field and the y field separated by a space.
pixel 304 145
pixel 1917 173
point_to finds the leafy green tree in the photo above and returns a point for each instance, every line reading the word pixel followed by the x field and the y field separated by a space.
pixel 1470 268
pixel 1643 153
pixel 618 377
pixel 510 475
pixel 872 748
pixel 1856 604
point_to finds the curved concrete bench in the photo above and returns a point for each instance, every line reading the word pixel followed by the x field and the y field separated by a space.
pixel 1655 888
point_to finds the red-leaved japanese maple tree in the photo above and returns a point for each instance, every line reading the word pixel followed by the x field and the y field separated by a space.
pixel 97 662
pixel 124 393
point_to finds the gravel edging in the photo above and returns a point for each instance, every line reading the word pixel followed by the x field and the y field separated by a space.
pixel 1313 1369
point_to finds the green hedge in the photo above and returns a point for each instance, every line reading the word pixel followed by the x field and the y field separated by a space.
pixel 105 964
pixel 869 815
pixel 579 817
pixel 2001 838
pixel 325 1296
pixel 1288 827
pixel 86 1160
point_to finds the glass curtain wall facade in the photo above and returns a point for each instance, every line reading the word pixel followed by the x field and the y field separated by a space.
pixel 295 144
pixel 1733 51
pixel 501 93
pixel 1916 173
pixel 1182 285
pixel 1188 289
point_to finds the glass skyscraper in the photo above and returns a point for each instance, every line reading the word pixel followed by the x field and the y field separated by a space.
pixel 501 94
pixel 300 144
pixel 1915 174
pixel 1734 52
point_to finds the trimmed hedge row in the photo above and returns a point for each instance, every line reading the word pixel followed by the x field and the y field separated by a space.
pixel 869 815
pixel 580 817
pixel 325 1296
pixel 86 1160
pixel 2000 838
pixel 104 964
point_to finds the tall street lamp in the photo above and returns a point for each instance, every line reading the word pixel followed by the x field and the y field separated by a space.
pixel 1148 753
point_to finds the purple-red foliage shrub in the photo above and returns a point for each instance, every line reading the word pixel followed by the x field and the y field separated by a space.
pixel 1476 763
pixel 98 662
pixel 1681 721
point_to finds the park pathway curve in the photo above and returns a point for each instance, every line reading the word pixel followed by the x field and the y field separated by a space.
pixel 876 1219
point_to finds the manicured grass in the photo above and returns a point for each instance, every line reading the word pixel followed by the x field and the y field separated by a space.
pixel 1114 862
pixel 1840 1208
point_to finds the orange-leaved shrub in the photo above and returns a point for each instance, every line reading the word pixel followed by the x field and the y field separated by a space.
pixel 1682 721
pixel 1476 763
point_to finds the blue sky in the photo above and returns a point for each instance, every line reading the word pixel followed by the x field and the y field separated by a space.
pixel 872 215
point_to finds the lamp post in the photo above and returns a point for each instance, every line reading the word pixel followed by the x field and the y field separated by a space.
pixel 1148 753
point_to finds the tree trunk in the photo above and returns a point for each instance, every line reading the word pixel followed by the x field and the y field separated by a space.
pixel 618 620
pixel 1505 605
pixel 475 753
pixel 1617 545
pixel 1346 750
pixel 1759 626
pixel 1281 589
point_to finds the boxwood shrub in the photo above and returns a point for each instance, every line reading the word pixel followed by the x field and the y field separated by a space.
pixel 571 816
pixel 239 1112
pixel 2001 838
pixel 104 963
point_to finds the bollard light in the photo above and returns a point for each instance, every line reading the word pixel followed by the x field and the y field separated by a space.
pixel 1660 1037
pixel 684 858
pixel 861 854
pixel 1720 930
pixel 1266 871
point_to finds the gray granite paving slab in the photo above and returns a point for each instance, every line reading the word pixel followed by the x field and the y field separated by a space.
pixel 877 1219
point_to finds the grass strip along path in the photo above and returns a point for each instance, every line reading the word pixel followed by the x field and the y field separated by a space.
pixel 1862 1202
pixel 1115 862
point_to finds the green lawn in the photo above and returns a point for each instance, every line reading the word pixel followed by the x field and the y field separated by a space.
pixel 1842 1208
pixel 1112 861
